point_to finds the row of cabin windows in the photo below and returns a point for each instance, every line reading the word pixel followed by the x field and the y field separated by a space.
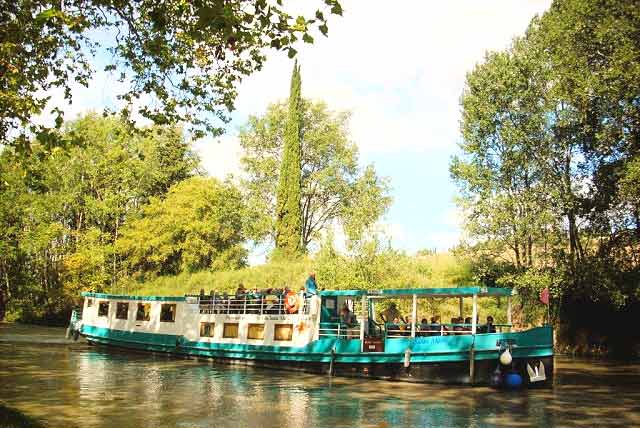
pixel 281 332
pixel 143 312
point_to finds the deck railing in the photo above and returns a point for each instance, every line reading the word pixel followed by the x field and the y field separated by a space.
pixel 261 304
pixel 403 331
pixel 339 330
pixel 399 331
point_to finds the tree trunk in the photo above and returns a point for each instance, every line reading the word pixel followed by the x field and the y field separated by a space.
pixel 516 250
pixel 574 253
pixel 4 294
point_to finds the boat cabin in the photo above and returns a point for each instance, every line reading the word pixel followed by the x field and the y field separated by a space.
pixel 351 314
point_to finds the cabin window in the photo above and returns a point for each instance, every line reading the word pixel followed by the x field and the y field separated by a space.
pixel 168 312
pixel 122 310
pixel 144 312
pixel 283 332
pixel 256 331
pixel 230 330
pixel 103 309
pixel 89 303
pixel 206 329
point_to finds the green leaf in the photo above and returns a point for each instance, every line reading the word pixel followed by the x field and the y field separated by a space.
pixel 292 52
pixel 323 29
pixel 336 9
pixel 307 38
pixel 48 14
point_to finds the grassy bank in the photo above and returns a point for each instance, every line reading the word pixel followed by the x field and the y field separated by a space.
pixel 393 270
pixel 437 270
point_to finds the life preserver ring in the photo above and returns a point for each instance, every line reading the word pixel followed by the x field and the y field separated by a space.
pixel 291 303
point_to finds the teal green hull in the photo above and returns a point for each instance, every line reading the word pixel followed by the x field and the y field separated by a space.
pixel 534 343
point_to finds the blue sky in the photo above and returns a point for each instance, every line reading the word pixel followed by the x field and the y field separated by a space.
pixel 400 70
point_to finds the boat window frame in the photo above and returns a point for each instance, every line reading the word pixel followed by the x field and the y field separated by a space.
pixel 101 305
pixel 118 310
pixel 261 325
pixel 277 327
pixel 147 313
pixel 163 306
pixel 211 325
pixel 224 330
pixel 89 303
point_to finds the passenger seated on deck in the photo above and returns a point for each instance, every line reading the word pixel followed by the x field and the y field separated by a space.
pixel 254 303
pixel 467 321
pixel 490 327
pixel 402 326
pixel 424 327
pixel 456 327
pixel 393 328
pixel 270 301
pixel 407 326
pixel 435 329
pixel 240 292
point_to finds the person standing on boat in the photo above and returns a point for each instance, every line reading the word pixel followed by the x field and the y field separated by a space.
pixel 301 299
pixel 311 285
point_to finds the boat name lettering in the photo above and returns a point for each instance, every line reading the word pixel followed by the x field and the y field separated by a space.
pixel 430 340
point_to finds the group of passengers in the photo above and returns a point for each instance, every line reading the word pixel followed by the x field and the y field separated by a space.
pixel 267 300
pixel 458 326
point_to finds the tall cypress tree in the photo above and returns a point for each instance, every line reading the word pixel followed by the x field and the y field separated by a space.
pixel 289 215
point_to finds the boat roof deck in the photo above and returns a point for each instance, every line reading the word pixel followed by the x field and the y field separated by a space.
pixel 125 297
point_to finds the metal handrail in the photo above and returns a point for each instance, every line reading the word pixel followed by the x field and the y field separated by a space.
pixel 340 331
pixel 261 304
pixel 442 330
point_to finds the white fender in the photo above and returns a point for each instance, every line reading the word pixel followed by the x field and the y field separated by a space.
pixel 537 374
pixel 505 358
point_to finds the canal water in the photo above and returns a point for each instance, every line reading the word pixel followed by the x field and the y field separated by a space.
pixel 82 386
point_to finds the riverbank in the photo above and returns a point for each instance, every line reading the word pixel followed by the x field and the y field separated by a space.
pixel 12 418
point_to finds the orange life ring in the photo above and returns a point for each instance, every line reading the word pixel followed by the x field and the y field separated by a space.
pixel 291 302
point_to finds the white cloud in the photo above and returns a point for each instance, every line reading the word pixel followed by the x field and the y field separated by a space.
pixel 220 156
pixel 400 70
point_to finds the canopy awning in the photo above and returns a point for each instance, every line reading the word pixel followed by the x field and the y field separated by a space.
pixel 424 292
pixel 344 292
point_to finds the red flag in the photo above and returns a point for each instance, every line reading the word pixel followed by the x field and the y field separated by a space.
pixel 544 296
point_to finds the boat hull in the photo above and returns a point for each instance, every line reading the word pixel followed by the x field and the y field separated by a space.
pixel 439 359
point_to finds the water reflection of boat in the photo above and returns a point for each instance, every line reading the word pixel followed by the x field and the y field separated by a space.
pixel 308 332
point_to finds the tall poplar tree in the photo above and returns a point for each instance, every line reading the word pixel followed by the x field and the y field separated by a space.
pixel 289 216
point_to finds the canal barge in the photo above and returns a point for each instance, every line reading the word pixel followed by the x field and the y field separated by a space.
pixel 334 332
